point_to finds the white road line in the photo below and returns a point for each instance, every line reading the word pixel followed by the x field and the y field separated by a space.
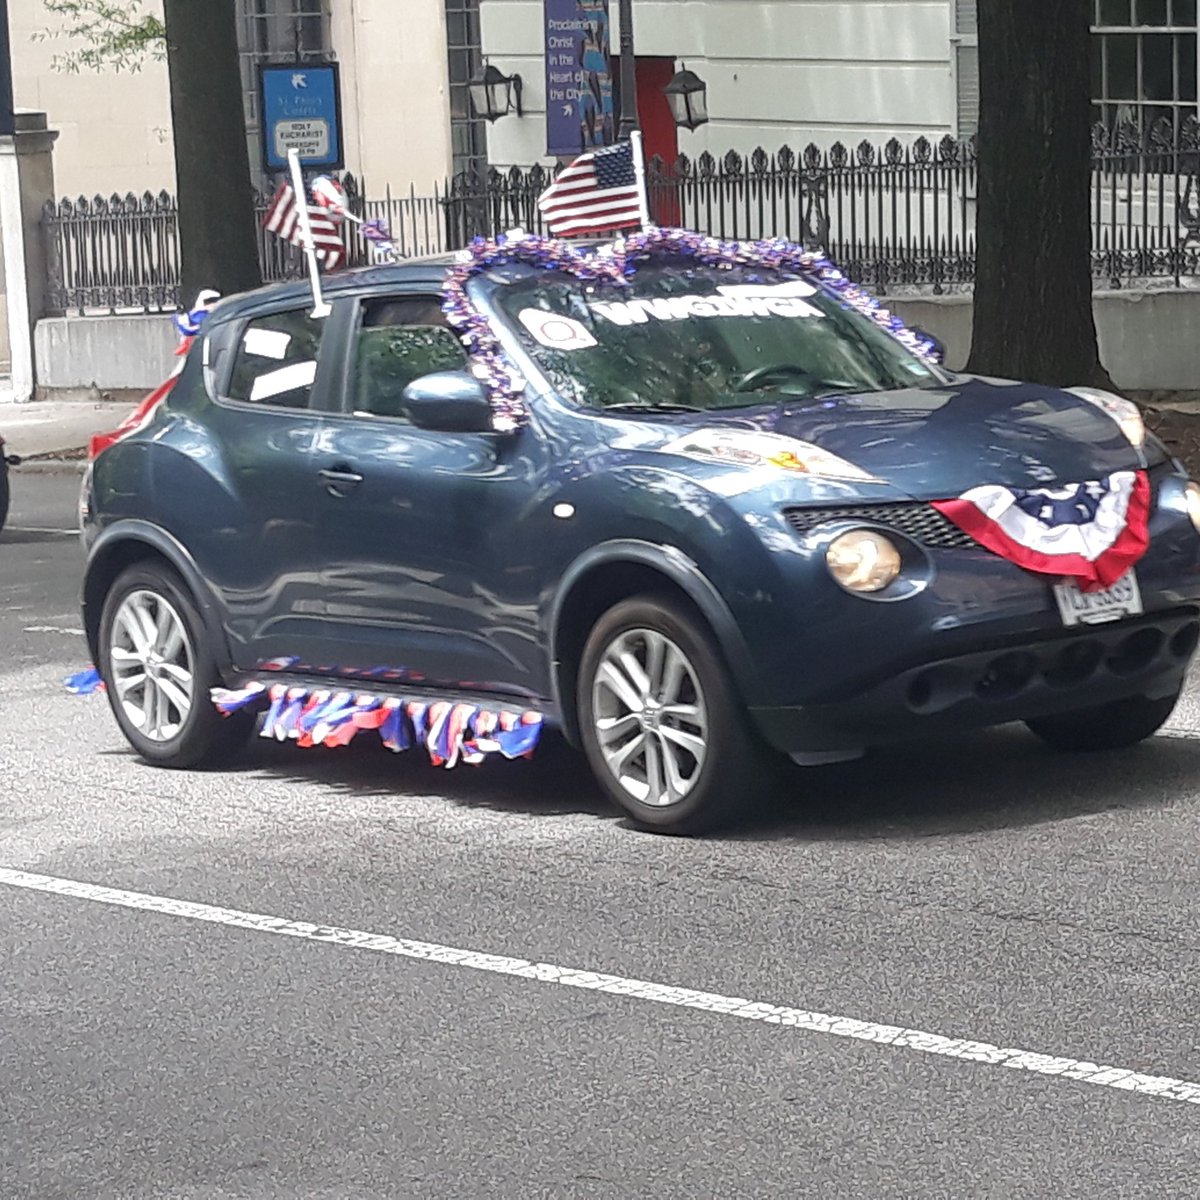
pixel 1158 1086
pixel 53 629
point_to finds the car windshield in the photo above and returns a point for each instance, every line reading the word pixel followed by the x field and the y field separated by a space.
pixel 689 337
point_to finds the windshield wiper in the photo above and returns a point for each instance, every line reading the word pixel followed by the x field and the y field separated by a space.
pixel 653 408
pixel 849 391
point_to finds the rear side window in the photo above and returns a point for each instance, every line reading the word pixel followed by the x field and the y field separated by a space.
pixel 275 360
pixel 399 340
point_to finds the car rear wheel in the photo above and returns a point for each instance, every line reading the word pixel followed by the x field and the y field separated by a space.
pixel 1107 727
pixel 661 724
pixel 158 672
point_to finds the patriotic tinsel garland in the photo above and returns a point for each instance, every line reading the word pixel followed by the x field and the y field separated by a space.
pixel 617 263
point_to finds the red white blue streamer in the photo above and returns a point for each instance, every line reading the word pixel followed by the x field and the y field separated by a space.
pixel 85 683
pixel 1092 532
pixel 188 327
pixel 187 324
pixel 450 732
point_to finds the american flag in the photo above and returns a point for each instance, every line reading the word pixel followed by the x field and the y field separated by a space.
pixel 599 191
pixel 283 219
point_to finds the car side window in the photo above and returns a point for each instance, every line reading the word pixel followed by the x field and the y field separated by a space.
pixel 275 360
pixel 400 339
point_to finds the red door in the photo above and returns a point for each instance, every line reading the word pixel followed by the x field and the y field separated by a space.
pixel 654 113
pixel 660 136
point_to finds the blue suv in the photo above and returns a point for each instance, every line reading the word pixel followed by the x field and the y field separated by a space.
pixel 722 535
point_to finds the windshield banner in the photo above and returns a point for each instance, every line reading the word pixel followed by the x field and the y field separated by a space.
pixel 733 300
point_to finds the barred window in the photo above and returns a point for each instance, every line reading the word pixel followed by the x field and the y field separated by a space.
pixel 966 66
pixel 468 133
pixel 1143 62
pixel 275 31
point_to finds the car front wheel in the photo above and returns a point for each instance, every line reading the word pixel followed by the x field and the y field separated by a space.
pixel 1106 727
pixel 660 721
pixel 158 672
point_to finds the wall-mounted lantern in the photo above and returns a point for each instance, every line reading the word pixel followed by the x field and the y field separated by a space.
pixel 687 95
pixel 495 95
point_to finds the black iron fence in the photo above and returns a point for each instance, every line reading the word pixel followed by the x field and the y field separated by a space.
pixel 894 217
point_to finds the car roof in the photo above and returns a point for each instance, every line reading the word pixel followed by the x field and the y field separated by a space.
pixel 429 270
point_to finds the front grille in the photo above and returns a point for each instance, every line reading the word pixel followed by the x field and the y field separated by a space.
pixel 919 522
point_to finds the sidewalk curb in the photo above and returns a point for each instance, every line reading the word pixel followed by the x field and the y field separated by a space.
pixel 50 466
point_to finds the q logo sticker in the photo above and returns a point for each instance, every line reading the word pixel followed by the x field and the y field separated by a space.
pixel 556 332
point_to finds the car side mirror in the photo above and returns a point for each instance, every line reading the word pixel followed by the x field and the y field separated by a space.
pixel 448 402
pixel 939 348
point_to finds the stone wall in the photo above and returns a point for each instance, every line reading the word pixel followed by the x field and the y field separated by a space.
pixel 1148 342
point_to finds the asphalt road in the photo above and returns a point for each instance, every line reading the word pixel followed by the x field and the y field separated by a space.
pixel 984 890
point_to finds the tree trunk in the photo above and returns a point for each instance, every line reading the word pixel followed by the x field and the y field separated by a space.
pixel 1033 285
pixel 217 236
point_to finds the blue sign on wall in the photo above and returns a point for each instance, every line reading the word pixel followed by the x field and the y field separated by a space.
pixel 579 91
pixel 301 108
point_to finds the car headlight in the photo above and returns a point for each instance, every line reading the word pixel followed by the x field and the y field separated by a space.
pixel 1191 497
pixel 1124 412
pixel 753 448
pixel 863 560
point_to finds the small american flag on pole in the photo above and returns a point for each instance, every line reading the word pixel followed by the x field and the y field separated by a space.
pixel 283 220
pixel 600 191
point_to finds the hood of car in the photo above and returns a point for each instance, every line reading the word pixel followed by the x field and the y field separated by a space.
pixel 936 443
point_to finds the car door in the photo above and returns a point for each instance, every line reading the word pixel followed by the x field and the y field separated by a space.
pixel 261 558
pixel 424 567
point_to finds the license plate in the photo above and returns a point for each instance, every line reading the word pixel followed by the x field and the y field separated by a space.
pixel 1123 599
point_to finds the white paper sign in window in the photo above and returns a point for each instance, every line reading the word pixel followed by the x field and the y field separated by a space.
pixel 287 379
pixel 556 332
pixel 266 343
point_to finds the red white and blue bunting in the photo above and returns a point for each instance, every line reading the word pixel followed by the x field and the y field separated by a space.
pixel 1092 532
pixel 450 732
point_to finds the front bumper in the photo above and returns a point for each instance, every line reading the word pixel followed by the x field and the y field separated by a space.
pixel 809 644
pixel 1038 676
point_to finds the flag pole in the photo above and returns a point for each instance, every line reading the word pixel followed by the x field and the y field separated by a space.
pixel 320 307
pixel 639 171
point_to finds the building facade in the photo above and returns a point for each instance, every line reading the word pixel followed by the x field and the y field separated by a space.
pixel 779 72
pixel 790 72
pixel 405 65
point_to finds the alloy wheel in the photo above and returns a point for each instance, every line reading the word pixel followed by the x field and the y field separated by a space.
pixel 152 665
pixel 650 717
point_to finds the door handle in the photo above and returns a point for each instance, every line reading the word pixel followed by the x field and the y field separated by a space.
pixel 338 483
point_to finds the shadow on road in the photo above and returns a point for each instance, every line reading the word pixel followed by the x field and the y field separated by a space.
pixel 993 780
pixel 554 782
pixel 36 537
